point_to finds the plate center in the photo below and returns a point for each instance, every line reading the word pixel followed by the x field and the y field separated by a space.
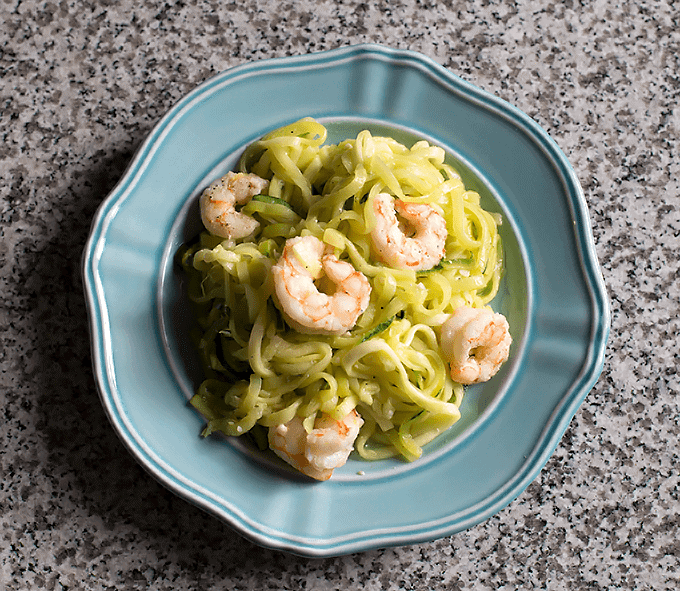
pixel 480 402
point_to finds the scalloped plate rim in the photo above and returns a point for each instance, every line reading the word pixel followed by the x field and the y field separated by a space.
pixel 364 540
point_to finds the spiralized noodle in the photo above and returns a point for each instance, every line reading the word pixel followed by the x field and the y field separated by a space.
pixel 389 366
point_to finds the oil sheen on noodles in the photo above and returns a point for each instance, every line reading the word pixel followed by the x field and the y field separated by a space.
pixel 389 366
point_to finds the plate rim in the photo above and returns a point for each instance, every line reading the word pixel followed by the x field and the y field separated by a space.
pixel 562 414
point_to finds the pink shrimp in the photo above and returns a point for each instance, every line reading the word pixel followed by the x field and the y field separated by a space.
pixel 392 241
pixel 318 453
pixel 218 205
pixel 476 342
pixel 305 308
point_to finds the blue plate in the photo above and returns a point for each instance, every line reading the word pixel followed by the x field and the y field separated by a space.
pixel 552 294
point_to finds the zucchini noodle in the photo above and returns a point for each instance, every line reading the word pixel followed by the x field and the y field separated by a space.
pixel 389 367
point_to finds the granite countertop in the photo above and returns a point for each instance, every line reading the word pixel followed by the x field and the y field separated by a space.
pixel 82 83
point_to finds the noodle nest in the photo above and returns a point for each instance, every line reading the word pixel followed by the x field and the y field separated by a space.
pixel 389 367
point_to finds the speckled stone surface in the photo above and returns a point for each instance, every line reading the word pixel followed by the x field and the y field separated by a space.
pixel 82 83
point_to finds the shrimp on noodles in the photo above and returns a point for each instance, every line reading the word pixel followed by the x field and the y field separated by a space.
pixel 476 342
pixel 218 205
pixel 417 243
pixel 336 276
pixel 319 452
pixel 304 306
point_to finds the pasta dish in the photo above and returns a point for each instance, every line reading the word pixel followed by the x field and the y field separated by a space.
pixel 343 297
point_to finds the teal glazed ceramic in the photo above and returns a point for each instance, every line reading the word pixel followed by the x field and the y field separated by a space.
pixel 552 294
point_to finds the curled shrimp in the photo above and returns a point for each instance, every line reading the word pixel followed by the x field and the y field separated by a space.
pixel 418 243
pixel 305 308
pixel 319 452
pixel 476 342
pixel 218 204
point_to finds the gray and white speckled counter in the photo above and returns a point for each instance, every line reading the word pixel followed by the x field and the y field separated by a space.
pixel 82 83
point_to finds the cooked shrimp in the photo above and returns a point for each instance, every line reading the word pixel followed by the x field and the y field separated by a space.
pixel 305 308
pixel 476 342
pixel 318 453
pixel 218 205
pixel 417 243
